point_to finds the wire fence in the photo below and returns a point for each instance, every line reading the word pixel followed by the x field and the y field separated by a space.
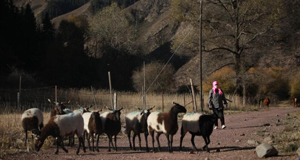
pixel 38 98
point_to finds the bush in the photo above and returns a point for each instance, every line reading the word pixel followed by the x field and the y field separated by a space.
pixel 225 77
pixel 295 85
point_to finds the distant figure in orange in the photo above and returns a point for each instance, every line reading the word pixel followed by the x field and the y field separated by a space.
pixel 294 101
pixel 266 102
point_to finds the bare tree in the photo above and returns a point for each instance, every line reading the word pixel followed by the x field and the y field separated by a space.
pixel 240 29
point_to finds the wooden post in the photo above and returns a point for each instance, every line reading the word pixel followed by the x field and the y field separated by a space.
pixel 162 101
pixel 144 92
pixel 19 93
pixel 184 99
pixel 200 51
pixel 110 92
pixel 55 94
pixel 115 101
pixel 94 97
pixel 193 96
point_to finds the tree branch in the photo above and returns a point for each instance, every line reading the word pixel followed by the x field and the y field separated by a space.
pixel 221 48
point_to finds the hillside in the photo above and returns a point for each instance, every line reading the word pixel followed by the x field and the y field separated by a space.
pixel 156 33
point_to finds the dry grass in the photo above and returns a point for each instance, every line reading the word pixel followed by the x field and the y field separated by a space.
pixel 289 139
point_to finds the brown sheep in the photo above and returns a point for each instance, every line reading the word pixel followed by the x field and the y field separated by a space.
pixel 266 102
pixel 294 101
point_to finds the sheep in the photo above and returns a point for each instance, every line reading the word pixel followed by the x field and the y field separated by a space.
pixel 62 125
pixel 82 109
pixel 111 123
pixel 294 101
pixel 266 102
pixel 164 123
pixel 137 122
pixel 198 125
pixel 60 108
pixel 92 125
pixel 32 120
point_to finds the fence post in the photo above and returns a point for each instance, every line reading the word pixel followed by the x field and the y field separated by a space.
pixel 55 90
pixel 193 96
pixel 163 101
pixel 94 96
pixel 19 93
pixel 115 101
pixel 110 92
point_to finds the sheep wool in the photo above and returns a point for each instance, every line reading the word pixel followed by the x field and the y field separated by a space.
pixel 32 112
pixel 86 118
pixel 190 122
pixel 153 123
pixel 63 122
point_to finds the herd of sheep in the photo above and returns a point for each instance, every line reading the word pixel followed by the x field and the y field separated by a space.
pixel 86 124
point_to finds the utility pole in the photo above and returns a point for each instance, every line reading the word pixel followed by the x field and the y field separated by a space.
pixel 200 51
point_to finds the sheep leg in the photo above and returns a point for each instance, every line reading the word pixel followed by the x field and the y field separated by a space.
pixel 80 143
pixel 193 142
pixel 97 148
pixel 181 138
pixel 140 142
pixel 157 139
pixel 152 135
pixel 169 143
pixel 93 142
pixel 88 140
pixel 116 142
pixel 61 144
pixel 207 141
pixel 133 141
pixel 128 135
pixel 109 142
pixel 26 137
pixel 146 140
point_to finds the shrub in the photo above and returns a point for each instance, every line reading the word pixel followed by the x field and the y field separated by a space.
pixel 225 77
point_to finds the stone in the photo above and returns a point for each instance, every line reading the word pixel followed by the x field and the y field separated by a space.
pixel 267 140
pixel 266 150
pixel 252 142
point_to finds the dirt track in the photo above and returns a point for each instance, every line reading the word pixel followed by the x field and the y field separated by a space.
pixel 232 142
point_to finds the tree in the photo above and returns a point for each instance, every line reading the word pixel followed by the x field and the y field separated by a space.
pixel 163 83
pixel 242 30
pixel 110 27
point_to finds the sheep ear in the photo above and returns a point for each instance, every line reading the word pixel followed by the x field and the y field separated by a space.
pixel 139 109
pixel 120 109
pixel 151 108
pixel 175 103
pixel 91 106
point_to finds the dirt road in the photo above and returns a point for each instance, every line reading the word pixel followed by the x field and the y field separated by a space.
pixel 232 142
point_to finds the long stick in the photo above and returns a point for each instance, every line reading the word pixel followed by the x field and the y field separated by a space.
pixel 193 96
pixel 94 97
pixel 110 92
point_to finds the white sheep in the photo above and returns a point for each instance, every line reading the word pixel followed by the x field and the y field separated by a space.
pixel 32 120
pixel 92 125
pixel 137 122
pixel 62 125
pixel 198 125
pixel 164 123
